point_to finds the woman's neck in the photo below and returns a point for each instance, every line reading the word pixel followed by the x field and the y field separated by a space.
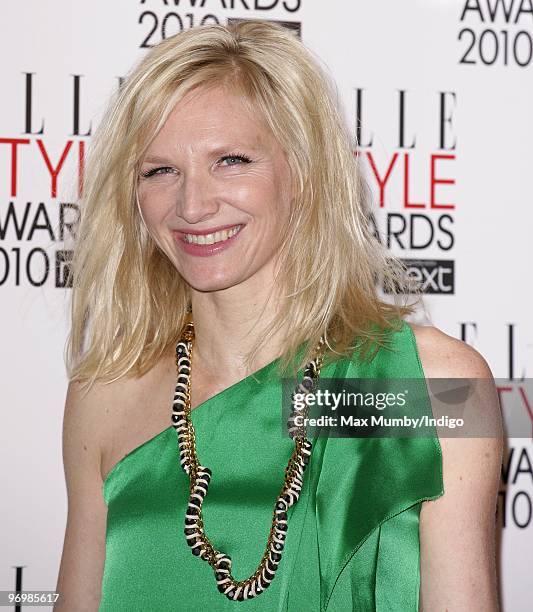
pixel 227 327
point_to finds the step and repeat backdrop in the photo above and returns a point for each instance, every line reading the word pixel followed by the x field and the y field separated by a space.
pixel 439 94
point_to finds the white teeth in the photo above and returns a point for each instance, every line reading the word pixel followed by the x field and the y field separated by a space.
pixel 212 238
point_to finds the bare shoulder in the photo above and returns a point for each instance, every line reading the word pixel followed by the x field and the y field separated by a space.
pixel 443 356
pixel 89 416
pixel 101 424
pixel 82 421
pixel 457 530
pixel 83 555
pixel 112 418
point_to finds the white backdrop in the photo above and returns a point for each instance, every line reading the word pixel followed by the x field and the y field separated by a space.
pixel 443 92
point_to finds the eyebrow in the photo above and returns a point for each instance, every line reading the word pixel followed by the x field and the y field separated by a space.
pixel 154 159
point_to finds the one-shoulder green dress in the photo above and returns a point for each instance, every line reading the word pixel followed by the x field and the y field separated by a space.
pixel 353 536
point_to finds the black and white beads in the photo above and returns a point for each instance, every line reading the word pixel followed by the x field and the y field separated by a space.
pixel 193 529
pixel 200 476
pixel 306 386
pixel 179 405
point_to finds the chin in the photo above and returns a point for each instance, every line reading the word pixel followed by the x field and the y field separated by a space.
pixel 212 284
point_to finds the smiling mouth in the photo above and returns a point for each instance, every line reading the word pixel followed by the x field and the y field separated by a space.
pixel 220 236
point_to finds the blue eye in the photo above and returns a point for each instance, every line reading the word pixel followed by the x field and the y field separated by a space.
pixel 237 156
pixel 154 171
pixel 233 159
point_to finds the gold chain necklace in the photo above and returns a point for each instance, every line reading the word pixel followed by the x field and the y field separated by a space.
pixel 199 477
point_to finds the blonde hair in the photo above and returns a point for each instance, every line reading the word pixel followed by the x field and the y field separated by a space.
pixel 129 303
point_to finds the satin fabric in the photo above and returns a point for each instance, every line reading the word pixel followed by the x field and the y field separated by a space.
pixel 353 536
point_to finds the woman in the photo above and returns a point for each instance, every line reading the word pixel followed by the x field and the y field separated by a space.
pixel 223 243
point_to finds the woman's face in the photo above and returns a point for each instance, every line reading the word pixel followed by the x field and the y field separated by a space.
pixel 213 170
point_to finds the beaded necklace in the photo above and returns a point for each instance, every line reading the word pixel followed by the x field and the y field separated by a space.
pixel 200 476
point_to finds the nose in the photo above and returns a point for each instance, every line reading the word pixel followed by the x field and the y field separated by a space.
pixel 196 198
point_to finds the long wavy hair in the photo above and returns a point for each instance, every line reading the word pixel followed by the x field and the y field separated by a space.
pixel 129 303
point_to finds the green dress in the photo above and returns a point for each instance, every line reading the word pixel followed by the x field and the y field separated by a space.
pixel 353 536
